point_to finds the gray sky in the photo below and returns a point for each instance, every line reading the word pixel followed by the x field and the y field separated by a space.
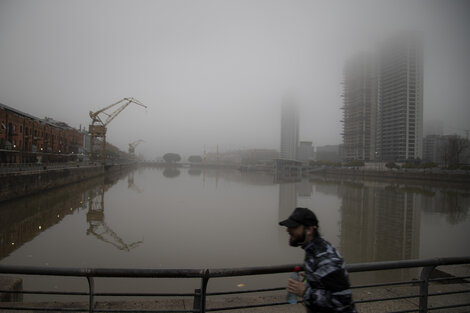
pixel 213 72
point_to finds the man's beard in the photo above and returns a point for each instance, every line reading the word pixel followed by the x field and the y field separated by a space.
pixel 297 241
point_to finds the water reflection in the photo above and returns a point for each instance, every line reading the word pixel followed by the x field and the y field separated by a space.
pixel 385 221
pixel 170 172
pixel 24 219
pixel 287 199
pixel 96 222
pixel 195 171
pixel 131 184
pixel 456 205
pixel 367 221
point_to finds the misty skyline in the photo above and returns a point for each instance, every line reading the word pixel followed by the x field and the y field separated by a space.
pixel 214 72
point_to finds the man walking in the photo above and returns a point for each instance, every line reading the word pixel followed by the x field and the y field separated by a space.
pixel 327 286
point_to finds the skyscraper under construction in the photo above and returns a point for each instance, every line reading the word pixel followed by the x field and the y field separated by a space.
pixel 360 108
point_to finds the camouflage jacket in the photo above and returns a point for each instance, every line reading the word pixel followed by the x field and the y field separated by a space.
pixel 327 281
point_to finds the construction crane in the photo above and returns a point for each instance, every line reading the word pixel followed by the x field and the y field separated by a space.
pixel 132 146
pixel 97 128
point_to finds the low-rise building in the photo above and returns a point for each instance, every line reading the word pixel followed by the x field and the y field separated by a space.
pixel 28 139
pixel 330 153
pixel 305 152
pixel 433 148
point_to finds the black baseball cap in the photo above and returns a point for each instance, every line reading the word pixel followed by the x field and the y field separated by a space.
pixel 300 216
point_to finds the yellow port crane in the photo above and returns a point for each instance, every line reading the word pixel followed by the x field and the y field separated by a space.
pixel 97 128
pixel 132 146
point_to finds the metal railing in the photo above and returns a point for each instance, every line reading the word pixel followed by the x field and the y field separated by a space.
pixel 200 295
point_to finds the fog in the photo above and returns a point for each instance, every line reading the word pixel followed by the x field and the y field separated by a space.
pixel 214 72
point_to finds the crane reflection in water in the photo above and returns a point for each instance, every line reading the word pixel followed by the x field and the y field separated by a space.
pixel 97 225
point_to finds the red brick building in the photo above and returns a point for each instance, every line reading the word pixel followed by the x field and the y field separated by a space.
pixel 28 139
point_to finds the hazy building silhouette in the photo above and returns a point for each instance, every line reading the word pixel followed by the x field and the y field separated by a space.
pixel 328 153
pixel 433 148
pixel 289 129
pixel 305 152
pixel 400 98
pixel 360 108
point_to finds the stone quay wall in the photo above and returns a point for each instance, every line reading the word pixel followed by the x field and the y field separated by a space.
pixel 15 185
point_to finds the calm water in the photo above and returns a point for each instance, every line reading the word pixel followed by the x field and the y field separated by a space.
pixel 188 218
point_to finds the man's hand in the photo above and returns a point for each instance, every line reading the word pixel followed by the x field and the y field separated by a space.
pixel 296 287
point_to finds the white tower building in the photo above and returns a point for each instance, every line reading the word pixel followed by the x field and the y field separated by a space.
pixel 400 131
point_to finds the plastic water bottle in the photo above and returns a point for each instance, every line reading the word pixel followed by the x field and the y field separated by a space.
pixel 292 297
